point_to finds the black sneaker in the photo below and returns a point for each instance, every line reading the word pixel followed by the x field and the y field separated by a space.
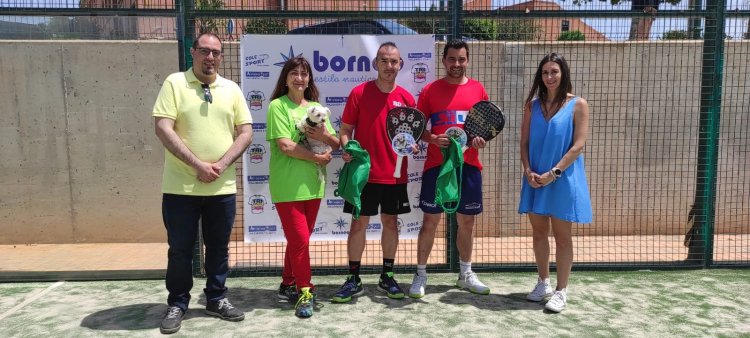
pixel 351 288
pixel 390 286
pixel 224 310
pixel 288 293
pixel 172 321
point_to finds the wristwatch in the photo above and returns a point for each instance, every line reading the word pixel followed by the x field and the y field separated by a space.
pixel 557 172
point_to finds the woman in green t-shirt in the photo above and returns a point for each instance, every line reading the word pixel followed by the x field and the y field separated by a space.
pixel 295 183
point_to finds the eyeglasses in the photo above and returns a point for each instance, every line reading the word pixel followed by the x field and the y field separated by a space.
pixel 205 51
pixel 207 93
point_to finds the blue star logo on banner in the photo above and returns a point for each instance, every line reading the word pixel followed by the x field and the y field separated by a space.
pixel 287 57
pixel 341 223
pixel 337 122
pixel 337 173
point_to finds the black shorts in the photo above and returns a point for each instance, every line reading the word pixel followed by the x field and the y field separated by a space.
pixel 393 199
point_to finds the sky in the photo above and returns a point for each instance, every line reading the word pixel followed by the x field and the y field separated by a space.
pixel 40 3
pixel 614 29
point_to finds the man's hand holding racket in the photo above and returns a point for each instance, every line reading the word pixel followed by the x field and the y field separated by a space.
pixel 483 123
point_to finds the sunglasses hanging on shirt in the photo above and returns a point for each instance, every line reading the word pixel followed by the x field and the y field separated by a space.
pixel 207 93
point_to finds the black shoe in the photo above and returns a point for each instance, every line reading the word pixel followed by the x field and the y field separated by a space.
pixel 172 321
pixel 224 310
pixel 288 293
pixel 352 287
pixel 390 286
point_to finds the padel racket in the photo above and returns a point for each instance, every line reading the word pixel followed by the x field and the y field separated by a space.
pixel 404 120
pixel 485 120
pixel 459 135
pixel 402 145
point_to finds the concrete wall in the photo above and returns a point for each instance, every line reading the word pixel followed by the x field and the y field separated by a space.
pixel 82 164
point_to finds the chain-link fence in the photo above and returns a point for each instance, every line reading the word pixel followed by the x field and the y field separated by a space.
pixel 667 151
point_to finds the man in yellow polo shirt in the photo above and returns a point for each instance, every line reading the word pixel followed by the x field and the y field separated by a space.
pixel 204 123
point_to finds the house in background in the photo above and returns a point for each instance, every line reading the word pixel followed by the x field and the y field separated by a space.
pixel 551 28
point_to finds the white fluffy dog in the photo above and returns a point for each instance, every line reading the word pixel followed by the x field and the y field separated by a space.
pixel 316 116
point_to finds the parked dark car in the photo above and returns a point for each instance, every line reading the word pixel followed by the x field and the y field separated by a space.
pixel 344 27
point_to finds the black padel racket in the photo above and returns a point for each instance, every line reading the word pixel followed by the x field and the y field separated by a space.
pixel 404 120
pixel 485 120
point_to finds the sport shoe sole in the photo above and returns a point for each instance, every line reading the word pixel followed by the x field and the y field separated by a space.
pixel 463 286
pixel 169 331
pixel 554 309
pixel 535 299
pixel 392 295
pixel 415 295
pixel 347 299
pixel 231 319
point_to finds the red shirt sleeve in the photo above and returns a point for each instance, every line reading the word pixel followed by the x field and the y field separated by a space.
pixel 351 109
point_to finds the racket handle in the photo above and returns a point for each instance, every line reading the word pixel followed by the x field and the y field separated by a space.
pixel 464 148
pixel 397 172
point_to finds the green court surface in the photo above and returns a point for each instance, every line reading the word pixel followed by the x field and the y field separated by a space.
pixel 685 303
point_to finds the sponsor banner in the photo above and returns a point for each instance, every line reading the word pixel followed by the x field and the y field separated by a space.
pixel 339 64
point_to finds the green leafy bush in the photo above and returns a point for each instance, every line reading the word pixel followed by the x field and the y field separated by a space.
pixel 676 35
pixel 575 35
pixel 265 26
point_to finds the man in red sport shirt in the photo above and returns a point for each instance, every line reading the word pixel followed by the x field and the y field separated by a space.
pixel 364 118
pixel 446 102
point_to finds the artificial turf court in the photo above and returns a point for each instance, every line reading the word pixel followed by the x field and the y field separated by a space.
pixel 681 303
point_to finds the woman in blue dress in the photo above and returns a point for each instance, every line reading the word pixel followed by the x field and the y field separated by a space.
pixel 554 191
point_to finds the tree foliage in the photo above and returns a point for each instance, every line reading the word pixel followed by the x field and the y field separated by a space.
pixel 265 26
pixel 208 25
pixel 502 29
pixel 575 35
pixel 676 35
pixel 518 30
pixel 427 26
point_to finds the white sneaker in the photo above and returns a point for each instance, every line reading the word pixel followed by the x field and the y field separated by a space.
pixel 541 290
pixel 558 300
pixel 471 282
pixel 417 286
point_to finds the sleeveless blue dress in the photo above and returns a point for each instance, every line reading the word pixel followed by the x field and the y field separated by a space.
pixel 567 198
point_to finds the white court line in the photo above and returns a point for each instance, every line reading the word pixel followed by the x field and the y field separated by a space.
pixel 29 300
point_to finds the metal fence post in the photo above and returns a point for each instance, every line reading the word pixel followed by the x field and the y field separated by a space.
pixel 456 9
pixel 185 32
pixel 708 135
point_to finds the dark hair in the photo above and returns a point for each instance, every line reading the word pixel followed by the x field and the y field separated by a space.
pixel 384 45
pixel 311 92
pixel 538 88
pixel 456 44
pixel 195 42
pixel 387 44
